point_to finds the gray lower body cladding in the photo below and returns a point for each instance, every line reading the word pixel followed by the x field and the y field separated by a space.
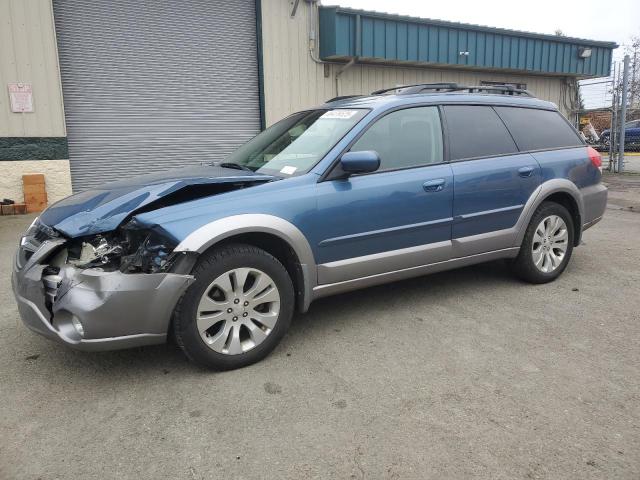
pixel 594 199
pixel 116 310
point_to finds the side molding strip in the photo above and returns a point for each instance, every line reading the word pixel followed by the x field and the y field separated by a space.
pixel 384 231
pixel 357 283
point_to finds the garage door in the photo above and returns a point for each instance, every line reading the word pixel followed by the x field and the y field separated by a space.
pixel 154 84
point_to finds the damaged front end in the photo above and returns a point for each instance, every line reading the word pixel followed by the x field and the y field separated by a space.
pixel 101 292
pixel 89 275
pixel 129 249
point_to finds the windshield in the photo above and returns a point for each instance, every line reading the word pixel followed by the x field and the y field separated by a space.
pixel 294 145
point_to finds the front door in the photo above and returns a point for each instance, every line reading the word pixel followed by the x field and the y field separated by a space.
pixel 398 217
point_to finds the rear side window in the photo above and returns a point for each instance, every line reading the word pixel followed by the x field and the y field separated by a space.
pixel 476 131
pixel 538 129
pixel 405 138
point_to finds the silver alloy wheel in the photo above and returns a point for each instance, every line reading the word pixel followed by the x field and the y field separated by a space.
pixel 550 242
pixel 238 310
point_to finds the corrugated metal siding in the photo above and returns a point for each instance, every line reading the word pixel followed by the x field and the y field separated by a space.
pixel 28 54
pixel 293 81
pixel 150 85
pixel 381 37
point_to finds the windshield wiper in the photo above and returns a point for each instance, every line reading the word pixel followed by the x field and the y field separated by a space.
pixel 236 166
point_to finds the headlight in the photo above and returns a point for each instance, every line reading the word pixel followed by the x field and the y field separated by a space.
pixel 33 228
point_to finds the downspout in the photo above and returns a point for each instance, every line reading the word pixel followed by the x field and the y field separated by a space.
pixel 353 60
pixel 313 28
pixel 341 70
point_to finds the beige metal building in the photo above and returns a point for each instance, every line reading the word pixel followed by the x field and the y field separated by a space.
pixel 116 89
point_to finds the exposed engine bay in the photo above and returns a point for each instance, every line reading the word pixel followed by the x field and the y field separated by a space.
pixel 127 249
pixel 90 273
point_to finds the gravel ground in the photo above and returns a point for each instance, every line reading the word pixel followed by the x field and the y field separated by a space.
pixel 464 374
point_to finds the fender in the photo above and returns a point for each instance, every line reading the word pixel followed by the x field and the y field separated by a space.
pixel 216 231
pixel 556 185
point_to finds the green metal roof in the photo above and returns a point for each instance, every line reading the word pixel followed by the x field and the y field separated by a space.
pixel 379 37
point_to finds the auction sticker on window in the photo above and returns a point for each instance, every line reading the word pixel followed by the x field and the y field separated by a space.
pixel 288 170
pixel 340 114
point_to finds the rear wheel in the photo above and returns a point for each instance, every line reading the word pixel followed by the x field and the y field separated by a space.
pixel 547 245
pixel 237 310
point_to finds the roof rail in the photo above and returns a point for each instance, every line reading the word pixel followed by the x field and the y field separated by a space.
pixel 453 87
pixel 501 89
pixel 342 97
pixel 409 89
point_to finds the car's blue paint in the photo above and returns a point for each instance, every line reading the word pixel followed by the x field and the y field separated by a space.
pixel 569 163
pixel 103 209
pixel 490 193
pixel 292 199
pixel 360 162
pixel 362 215
pixel 381 211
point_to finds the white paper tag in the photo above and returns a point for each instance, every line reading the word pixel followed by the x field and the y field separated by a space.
pixel 288 170
pixel 339 114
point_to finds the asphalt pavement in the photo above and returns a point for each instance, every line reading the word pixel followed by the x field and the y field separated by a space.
pixel 464 374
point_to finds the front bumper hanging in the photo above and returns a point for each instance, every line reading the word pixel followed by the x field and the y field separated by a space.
pixel 94 310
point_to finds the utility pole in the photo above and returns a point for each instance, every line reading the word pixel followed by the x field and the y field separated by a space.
pixel 612 129
pixel 623 113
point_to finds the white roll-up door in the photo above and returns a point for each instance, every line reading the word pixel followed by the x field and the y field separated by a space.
pixel 154 84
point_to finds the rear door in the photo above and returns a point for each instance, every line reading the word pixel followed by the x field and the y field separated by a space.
pixel 492 179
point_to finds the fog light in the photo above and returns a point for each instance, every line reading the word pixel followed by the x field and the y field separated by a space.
pixel 78 326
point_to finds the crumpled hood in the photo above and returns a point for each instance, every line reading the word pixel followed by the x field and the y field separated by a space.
pixel 103 209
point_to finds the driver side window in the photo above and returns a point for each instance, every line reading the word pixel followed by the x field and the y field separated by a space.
pixel 405 138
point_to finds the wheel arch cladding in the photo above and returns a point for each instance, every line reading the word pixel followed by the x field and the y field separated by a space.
pixel 277 236
pixel 563 192
pixel 569 202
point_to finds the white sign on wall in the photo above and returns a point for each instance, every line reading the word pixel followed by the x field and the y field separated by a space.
pixel 21 97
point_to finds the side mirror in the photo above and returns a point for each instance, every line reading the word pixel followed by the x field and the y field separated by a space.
pixel 365 161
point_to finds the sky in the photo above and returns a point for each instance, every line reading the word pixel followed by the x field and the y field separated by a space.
pixel 610 20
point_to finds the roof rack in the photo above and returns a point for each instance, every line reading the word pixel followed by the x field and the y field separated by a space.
pixel 417 88
pixel 453 87
pixel 342 97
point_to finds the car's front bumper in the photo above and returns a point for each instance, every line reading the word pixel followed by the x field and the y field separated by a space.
pixel 115 310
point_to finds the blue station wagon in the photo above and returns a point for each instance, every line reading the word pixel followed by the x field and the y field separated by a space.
pixel 357 192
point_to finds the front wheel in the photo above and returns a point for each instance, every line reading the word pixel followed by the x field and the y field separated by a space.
pixel 547 245
pixel 237 310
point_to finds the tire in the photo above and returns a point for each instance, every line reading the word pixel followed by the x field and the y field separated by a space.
pixel 524 266
pixel 239 334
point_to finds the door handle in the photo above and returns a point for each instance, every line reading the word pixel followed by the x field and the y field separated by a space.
pixel 525 171
pixel 436 185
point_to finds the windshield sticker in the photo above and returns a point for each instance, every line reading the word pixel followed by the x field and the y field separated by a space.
pixel 339 114
pixel 288 170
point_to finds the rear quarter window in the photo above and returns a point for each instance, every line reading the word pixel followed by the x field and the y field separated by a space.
pixel 476 131
pixel 534 129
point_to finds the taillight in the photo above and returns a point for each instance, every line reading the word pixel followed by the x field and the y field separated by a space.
pixel 595 157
